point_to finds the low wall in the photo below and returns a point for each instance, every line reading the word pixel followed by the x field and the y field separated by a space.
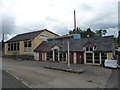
pixel 22 57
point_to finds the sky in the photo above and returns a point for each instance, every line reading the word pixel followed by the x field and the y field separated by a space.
pixel 21 16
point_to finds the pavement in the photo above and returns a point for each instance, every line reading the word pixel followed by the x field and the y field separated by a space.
pixel 36 76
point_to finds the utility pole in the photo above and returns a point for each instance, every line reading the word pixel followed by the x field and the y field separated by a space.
pixel 68 55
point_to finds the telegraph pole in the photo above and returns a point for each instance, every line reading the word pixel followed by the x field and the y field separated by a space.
pixel 68 55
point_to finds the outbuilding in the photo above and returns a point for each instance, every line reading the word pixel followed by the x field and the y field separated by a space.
pixel 82 50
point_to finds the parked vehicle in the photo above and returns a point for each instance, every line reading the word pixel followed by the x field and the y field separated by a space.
pixel 111 63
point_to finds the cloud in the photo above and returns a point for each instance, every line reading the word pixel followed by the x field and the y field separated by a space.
pixel 57 15
pixel 86 7
pixel 8 24
pixel 112 31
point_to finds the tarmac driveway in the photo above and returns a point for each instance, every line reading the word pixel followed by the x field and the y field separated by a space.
pixel 36 76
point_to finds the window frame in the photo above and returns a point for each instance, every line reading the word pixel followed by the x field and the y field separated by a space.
pixel 89 49
pixel 27 48
pixel 13 46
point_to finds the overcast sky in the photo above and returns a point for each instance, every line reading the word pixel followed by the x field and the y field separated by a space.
pixel 20 16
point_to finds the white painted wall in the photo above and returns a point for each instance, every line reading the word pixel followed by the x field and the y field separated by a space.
pixel 36 55
pixel 75 58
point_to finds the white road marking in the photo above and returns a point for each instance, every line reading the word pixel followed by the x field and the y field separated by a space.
pixel 19 79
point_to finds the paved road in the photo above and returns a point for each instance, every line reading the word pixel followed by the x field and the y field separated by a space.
pixel 36 76
pixel 113 80
pixel 8 81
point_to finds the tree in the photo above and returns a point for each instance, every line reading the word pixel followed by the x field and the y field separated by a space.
pixel 100 32
pixel 83 33
pixel 88 31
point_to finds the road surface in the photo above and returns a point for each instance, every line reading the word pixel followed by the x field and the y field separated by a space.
pixel 113 80
pixel 8 81
pixel 36 76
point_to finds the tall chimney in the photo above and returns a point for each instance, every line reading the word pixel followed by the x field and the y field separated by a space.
pixel 74 20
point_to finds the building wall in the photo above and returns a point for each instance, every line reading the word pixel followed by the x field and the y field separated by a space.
pixel 110 55
pixel 20 52
pixel 36 55
pixel 39 40
pixel 21 47
pixel 8 52
pixel 6 47
pixel 35 42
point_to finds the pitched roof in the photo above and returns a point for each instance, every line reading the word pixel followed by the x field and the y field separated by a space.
pixel 28 36
pixel 42 46
pixel 101 43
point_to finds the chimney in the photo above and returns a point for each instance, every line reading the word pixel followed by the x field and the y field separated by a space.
pixel 74 20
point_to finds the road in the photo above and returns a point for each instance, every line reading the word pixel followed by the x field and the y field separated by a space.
pixel 9 81
pixel 36 76
pixel 113 80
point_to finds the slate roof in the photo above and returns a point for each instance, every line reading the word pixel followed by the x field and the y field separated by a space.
pixel 101 43
pixel 28 36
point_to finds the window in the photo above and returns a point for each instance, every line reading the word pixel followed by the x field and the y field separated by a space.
pixel 29 43
pixel 27 46
pixel 8 46
pixel 11 47
pixel 89 48
pixel 62 56
pixel 25 43
pixel 89 58
pixel 43 36
pixel 17 46
pixel 103 56
pixel 49 55
pixel 96 57
pixel 14 46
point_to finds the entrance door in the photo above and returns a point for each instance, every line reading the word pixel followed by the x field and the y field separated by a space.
pixel 71 57
pixel 40 56
pixel 80 58
pixel 56 54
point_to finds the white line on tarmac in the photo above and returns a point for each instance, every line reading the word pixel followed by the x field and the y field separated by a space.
pixel 19 79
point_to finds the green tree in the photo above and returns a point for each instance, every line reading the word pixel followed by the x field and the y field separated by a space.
pixel 88 31
pixel 83 33
pixel 100 32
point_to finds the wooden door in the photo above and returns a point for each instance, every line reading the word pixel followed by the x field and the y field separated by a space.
pixel 71 57
pixel 80 58
pixel 40 56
